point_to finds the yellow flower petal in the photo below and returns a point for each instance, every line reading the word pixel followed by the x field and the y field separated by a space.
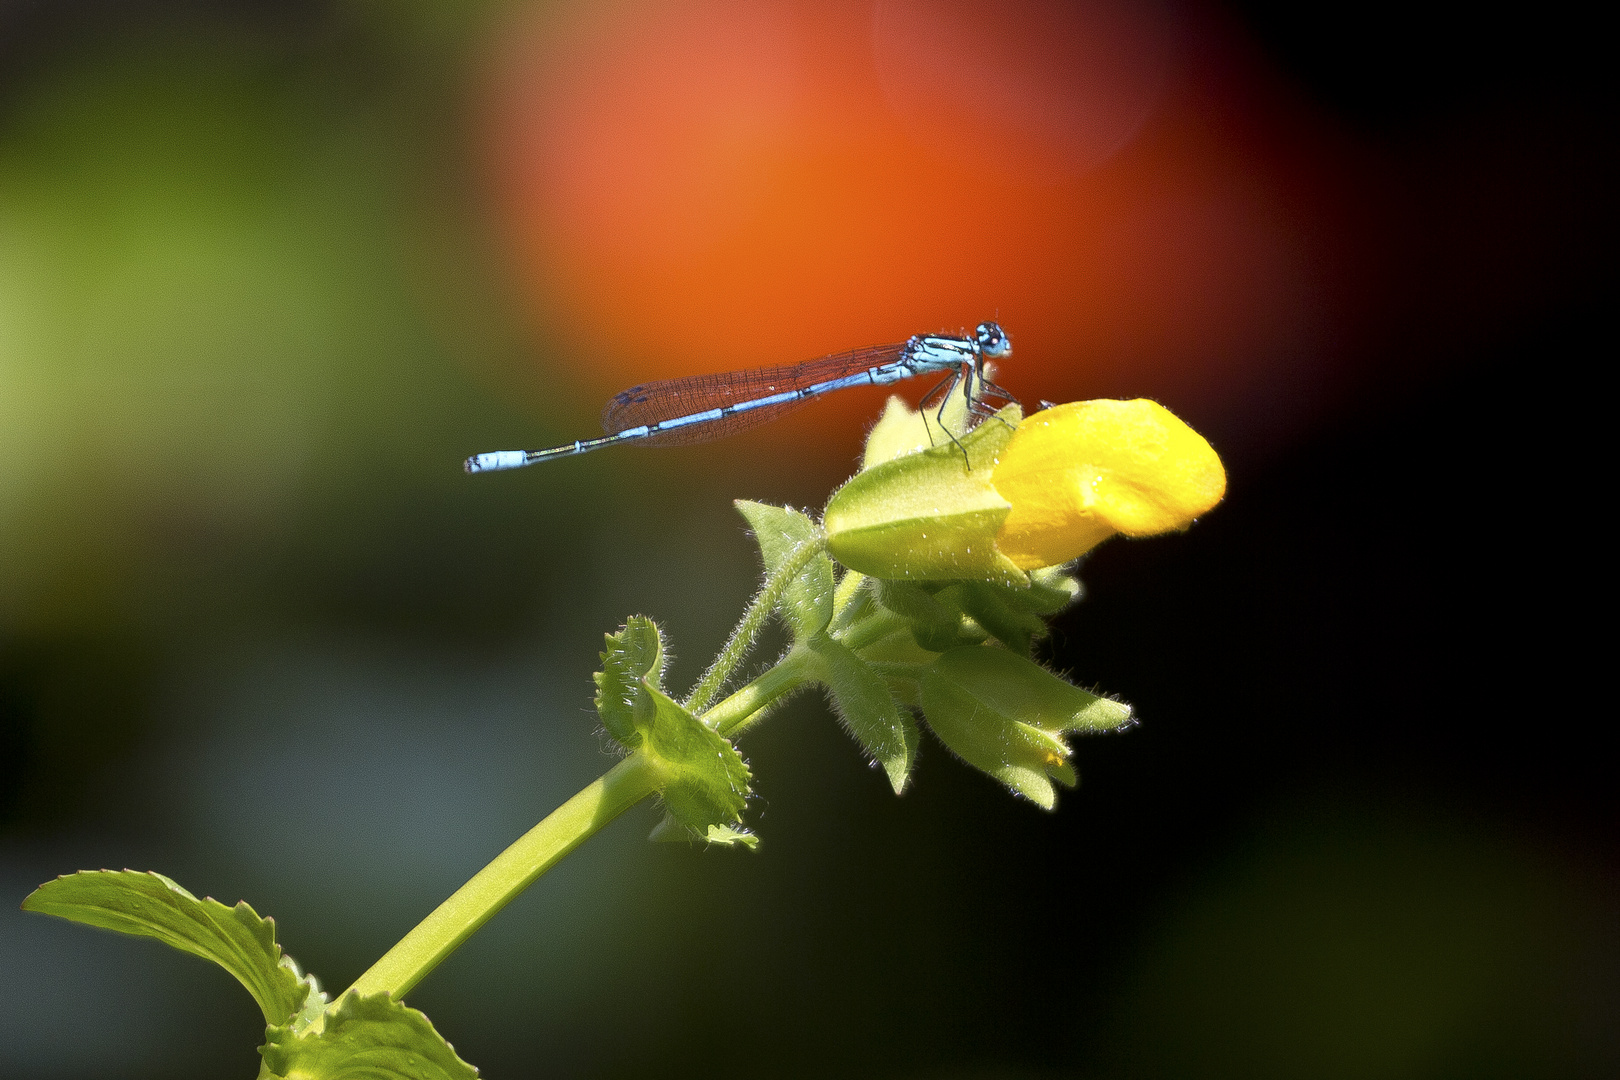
pixel 1078 473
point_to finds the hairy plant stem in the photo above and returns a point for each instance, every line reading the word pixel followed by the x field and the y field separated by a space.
pixel 849 601
pixel 748 627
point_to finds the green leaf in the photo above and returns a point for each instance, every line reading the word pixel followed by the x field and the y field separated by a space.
pixel 930 515
pixel 632 660
pixel 1006 716
pixel 151 905
pixel 726 835
pixel 1014 686
pixel 863 702
pixel 670 830
pixel 365 1038
pixel 704 780
pixel 701 777
pixel 807 602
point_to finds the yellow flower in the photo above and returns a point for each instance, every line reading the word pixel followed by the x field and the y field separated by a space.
pixel 1077 474
pixel 1017 494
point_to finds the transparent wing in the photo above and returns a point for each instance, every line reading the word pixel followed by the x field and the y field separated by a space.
pixel 667 399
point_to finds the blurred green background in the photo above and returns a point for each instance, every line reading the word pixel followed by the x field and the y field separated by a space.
pixel 258 632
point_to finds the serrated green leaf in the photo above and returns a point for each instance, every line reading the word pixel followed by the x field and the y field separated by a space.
pixel 782 532
pixel 1006 716
pixel 315 1001
pixel 365 1038
pixel 704 779
pixel 632 660
pixel 862 700
pixel 151 905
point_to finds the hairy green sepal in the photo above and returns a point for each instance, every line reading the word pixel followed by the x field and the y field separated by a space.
pixel 862 700
pixel 945 615
pixel 702 778
pixel 1007 716
pixel 151 905
pixel 931 515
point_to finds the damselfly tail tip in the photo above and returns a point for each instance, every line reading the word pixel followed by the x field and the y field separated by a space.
pixel 496 460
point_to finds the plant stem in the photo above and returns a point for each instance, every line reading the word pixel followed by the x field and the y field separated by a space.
pixel 850 602
pixel 742 637
pixel 744 707
pixel 512 871
pixel 873 627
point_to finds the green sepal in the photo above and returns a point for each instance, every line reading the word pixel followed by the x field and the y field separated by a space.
pixel 931 515
pixel 1013 686
pixel 994 609
pixel 936 626
pixel 374 1038
pixel 862 700
pixel 964 630
pixel 807 601
pixel 151 905
pixel 1006 716
pixel 1051 589
pixel 632 661
pixel 703 780
pixel 1015 616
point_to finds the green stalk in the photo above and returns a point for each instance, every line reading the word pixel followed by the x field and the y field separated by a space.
pixel 746 705
pixel 848 600
pixel 873 626
pixel 512 871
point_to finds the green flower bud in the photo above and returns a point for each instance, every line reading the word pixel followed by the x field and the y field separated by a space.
pixel 928 515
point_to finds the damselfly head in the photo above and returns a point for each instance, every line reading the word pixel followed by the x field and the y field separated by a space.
pixel 992 340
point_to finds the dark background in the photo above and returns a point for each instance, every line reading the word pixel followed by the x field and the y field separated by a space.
pixel 1366 827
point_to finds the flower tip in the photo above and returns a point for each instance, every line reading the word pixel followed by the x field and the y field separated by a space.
pixel 1077 474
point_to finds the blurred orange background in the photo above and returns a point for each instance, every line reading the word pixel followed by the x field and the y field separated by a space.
pixel 1144 206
